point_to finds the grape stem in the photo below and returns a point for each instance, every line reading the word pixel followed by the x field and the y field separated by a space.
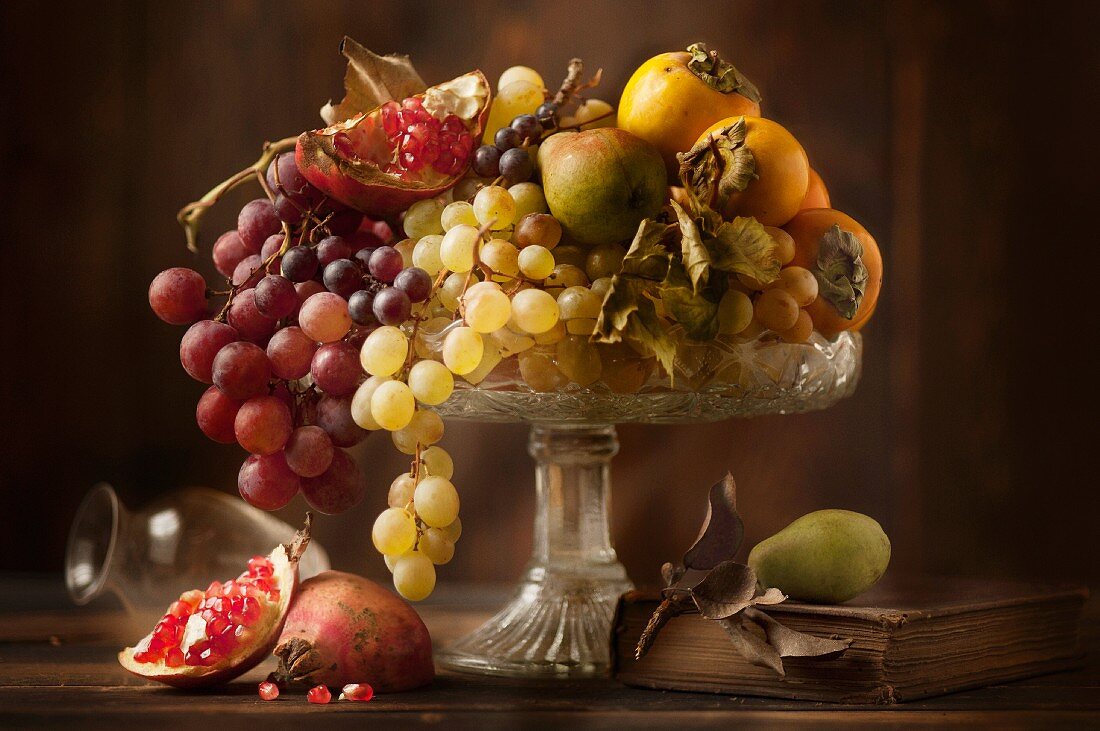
pixel 572 84
pixel 579 125
pixel 190 216
pixel 481 232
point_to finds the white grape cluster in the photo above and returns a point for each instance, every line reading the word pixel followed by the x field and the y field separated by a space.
pixel 502 286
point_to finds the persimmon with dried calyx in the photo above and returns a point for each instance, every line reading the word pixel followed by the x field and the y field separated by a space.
pixel 817 195
pixel 673 97
pixel 382 161
pixel 747 166
pixel 846 262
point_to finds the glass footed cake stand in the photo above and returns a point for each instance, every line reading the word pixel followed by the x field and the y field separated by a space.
pixel 558 621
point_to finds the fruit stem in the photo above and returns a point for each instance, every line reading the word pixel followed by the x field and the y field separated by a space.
pixel 572 83
pixel 190 216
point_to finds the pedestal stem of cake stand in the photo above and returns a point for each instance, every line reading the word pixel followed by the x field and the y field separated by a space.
pixel 559 621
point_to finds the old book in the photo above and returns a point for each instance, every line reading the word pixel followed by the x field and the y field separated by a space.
pixel 911 639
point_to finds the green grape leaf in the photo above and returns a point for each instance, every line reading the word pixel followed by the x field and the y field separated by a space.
pixel 696 311
pixel 840 271
pixel 742 246
pixel 718 166
pixel 370 81
pixel 647 256
pixel 720 74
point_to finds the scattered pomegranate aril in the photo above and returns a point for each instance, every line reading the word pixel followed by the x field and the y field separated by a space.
pixel 319 694
pixel 268 691
pixel 357 692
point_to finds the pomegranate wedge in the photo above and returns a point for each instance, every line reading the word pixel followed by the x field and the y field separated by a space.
pixel 212 636
pixel 383 161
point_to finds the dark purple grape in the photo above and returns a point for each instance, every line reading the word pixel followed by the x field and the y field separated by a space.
pixel 340 487
pixel 344 223
pixel 289 210
pixel 291 352
pixel 487 161
pixel 336 369
pixel 275 296
pixel 547 114
pixel 215 414
pixel 363 257
pixel 332 248
pixel 256 221
pixel 516 165
pixel 333 414
pixel 308 451
pixel 267 482
pixel 299 263
pixel 228 252
pixel 506 138
pixel 392 306
pixel 361 307
pixel 528 127
pixel 251 324
pixel 386 263
pixel 415 282
pixel 178 295
pixel 343 277
pixel 200 345
pixel 241 370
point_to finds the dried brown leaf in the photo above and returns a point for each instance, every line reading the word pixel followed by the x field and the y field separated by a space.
pixel 722 531
pixel 752 648
pixel 370 81
pixel 725 591
pixel 791 643
pixel 771 596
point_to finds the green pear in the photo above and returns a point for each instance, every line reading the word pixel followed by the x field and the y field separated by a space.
pixel 827 557
pixel 601 183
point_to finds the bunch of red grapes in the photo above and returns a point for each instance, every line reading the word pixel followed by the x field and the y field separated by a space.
pixel 308 280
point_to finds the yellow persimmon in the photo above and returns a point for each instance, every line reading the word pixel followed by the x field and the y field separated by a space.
pixel 673 97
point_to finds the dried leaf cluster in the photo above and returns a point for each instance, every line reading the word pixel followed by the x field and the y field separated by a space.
pixel 729 594
pixel 678 265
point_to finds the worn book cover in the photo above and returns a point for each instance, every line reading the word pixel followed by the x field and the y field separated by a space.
pixel 910 639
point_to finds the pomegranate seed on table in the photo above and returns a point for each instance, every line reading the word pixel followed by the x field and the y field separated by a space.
pixel 357 692
pixel 319 694
pixel 268 691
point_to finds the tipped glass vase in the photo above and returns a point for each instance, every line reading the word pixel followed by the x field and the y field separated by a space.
pixel 558 623
pixel 184 540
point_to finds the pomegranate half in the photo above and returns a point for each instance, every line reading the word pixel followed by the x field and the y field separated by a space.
pixel 212 636
pixel 381 162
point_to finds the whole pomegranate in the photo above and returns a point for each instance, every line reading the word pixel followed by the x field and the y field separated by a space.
pixel 342 628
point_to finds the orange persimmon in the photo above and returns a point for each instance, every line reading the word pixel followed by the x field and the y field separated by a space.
pixel 810 229
pixel 817 195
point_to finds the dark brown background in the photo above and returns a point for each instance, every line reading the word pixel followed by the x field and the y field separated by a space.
pixel 961 134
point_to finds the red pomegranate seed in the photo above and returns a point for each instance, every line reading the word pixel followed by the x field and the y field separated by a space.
pixel 412 102
pixel 179 609
pixel 269 691
pixel 358 692
pixel 250 609
pixel 319 694
pixel 174 657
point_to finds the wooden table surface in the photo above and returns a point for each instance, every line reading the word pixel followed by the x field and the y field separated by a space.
pixel 57 667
